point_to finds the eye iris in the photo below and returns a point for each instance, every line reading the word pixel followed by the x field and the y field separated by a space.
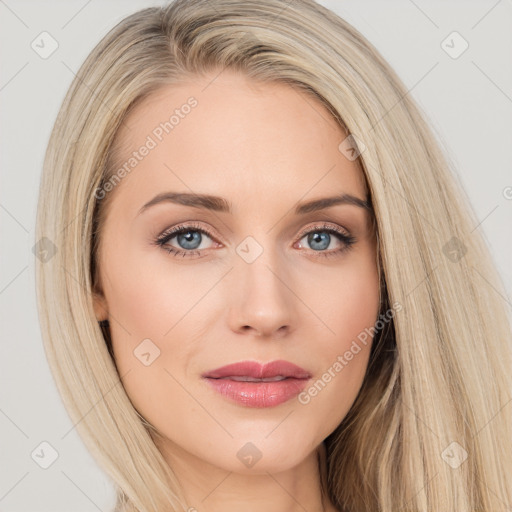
pixel 188 239
pixel 318 240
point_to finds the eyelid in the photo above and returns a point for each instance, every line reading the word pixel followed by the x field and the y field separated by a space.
pixel 346 238
pixel 190 225
pixel 324 225
pixel 194 226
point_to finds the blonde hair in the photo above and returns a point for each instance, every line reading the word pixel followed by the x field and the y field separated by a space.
pixel 438 374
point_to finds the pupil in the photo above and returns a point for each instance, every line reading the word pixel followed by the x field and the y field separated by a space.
pixel 188 240
pixel 319 241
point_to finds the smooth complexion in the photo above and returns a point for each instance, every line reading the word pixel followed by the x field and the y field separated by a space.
pixel 264 149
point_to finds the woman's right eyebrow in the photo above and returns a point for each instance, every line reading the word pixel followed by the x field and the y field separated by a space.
pixel 215 203
pixel 219 204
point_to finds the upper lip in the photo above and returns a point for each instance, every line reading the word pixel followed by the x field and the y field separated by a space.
pixel 258 370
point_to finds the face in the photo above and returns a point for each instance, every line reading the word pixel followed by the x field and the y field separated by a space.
pixel 190 284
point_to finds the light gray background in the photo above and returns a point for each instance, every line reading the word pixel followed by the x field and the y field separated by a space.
pixel 468 100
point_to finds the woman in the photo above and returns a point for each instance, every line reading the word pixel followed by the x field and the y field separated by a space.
pixel 260 240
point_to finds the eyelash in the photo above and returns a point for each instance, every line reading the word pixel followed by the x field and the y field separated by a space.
pixel 164 238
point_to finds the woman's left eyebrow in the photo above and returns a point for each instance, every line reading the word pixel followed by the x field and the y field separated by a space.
pixel 219 204
pixel 327 202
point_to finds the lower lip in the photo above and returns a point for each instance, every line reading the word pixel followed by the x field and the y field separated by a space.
pixel 259 394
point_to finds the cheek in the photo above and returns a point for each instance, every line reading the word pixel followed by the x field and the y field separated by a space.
pixel 348 308
pixel 149 299
pixel 157 313
pixel 152 316
pixel 348 300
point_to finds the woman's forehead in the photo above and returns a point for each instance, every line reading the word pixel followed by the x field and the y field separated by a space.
pixel 231 132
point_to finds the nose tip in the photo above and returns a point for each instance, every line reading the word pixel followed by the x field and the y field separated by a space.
pixel 262 305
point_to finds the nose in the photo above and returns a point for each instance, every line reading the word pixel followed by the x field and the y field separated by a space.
pixel 262 302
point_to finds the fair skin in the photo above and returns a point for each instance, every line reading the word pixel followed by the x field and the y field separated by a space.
pixel 263 148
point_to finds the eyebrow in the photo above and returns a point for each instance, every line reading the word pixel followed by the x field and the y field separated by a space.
pixel 219 204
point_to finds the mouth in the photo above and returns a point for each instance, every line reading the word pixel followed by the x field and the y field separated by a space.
pixel 252 384
pixel 243 378
pixel 253 369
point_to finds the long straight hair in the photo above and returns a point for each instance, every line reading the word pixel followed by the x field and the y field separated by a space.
pixel 438 385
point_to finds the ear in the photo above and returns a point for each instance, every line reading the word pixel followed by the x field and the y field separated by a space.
pixel 100 306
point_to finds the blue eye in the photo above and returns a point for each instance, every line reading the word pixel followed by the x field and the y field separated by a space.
pixel 319 238
pixel 189 238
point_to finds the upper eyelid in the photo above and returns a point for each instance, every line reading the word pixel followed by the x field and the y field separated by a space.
pixel 323 225
pixel 194 226
pixel 183 226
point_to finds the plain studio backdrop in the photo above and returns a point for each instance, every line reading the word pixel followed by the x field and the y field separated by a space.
pixel 466 94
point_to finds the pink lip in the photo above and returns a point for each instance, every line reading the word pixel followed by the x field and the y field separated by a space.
pixel 259 394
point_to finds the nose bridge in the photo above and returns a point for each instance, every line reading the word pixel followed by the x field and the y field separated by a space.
pixel 262 300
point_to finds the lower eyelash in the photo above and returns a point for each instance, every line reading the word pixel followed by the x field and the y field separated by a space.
pixel 161 241
pixel 178 252
pixel 347 240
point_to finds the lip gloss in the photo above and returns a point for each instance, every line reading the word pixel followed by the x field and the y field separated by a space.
pixel 258 394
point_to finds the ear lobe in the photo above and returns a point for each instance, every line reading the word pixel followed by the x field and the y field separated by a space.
pixel 100 306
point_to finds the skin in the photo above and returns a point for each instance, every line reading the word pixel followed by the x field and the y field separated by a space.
pixel 263 147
